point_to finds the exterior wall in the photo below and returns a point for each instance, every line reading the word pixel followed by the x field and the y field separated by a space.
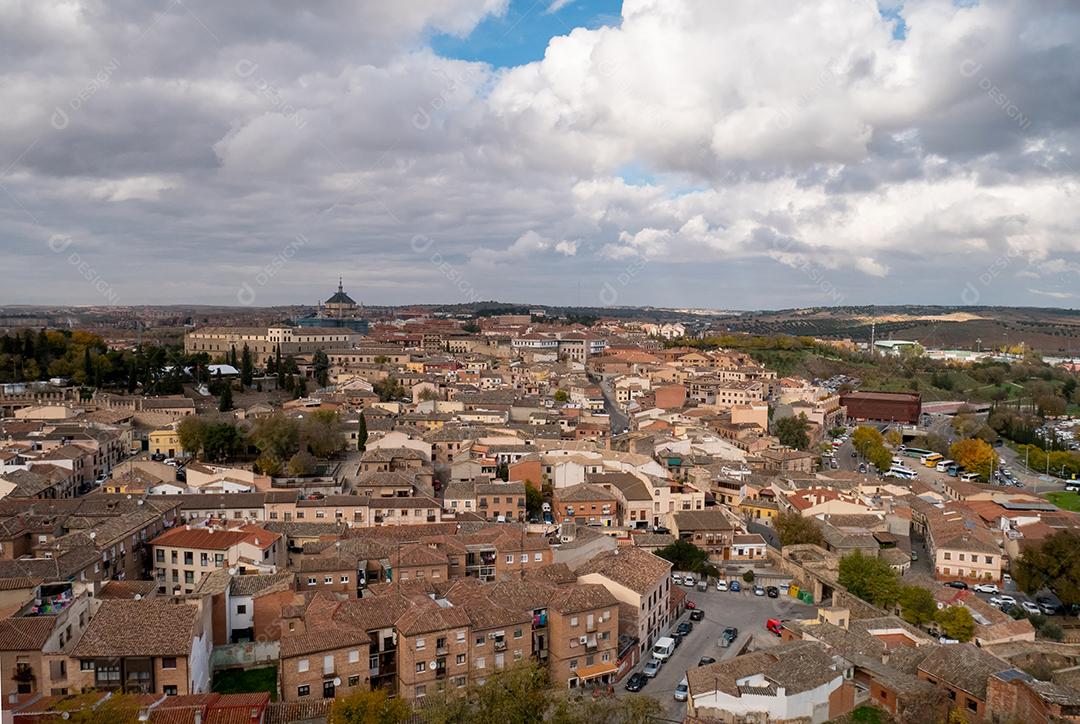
pixel 654 616
pixel 413 684
pixel 957 564
pixel 972 707
pixel 567 656
pixel 350 664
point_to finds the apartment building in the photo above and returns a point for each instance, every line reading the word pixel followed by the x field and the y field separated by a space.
pixel 184 555
pixel 639 579
pixel 585 504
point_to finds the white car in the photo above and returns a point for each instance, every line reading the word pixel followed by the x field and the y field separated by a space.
pixel 1006 598
pixel 1030 608
pixel 986 588
pixel 652 668
pixel 689 581
pixel 721 585
pixel 682 690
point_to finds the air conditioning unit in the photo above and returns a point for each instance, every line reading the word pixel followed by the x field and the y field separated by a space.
pixel 583 639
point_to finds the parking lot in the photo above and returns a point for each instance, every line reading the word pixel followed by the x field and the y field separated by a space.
pixel 743 610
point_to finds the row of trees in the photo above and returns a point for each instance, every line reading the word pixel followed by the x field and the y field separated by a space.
pixel 875 582
pixel 870 443
pixel 521 694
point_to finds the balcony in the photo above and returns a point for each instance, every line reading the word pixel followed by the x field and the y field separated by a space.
pixel 500 645
pixel 441 651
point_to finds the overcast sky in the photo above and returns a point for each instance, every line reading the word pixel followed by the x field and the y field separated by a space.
pixel 701 153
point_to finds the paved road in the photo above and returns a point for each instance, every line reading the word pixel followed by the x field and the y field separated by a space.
pixel 743 610
pixel 619 420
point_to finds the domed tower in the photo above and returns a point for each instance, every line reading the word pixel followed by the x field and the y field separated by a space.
pixel 341 305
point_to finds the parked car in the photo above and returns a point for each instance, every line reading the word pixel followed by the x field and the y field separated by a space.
pixel 682 690
pixel 986 588
pixel 1049 608
pixel 706 660
pixel 734 587
pixel 731 633
pixel 677 638
pixel 721 585
pixel 914 556
pixel 691 605
pixel 772 592
pixel 689 581
pixel 697 615
pixel 1030 608
pixel 759 590
pixel 957 584
pixel 636 681
pixel 652 668
pixel 703 585
pixel 676 578
pixel 774 626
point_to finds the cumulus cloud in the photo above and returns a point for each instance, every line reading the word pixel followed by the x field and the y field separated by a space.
pixel 763 138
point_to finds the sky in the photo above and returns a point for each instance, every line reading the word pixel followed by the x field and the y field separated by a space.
pixel 679 153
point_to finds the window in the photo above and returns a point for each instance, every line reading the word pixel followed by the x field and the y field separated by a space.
pixel 517 633
pixel 421 667
pixel 354 656
pixel 189 558
pixel 948 556
pixel 189 577
pixel 461 658
pixel 479 640
pixel 241 608
pixel 354 681
pixel 480 663
pixel 311 581
pixel 328 664
pixel 573 619
pixel 990 560
pixel 517 655
pixel 420 644
pixel 328 580
pixel 302 665
pixel 85 665
pixel 573 664
pixel 169 690
pixel 605 657
pixel 303 690
pixel 159 555
pixel 538 556
pixel 344 579
pixel 524 557
pixel 460 635
pixel 510 559
pixel 972 705
pixel 961 556
pixel 421 691
pixel 168 662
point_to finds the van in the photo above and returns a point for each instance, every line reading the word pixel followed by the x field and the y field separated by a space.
pixel 969 477
pixel 944 466
pixel 664 648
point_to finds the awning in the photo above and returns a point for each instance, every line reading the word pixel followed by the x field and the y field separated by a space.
pixel 591 672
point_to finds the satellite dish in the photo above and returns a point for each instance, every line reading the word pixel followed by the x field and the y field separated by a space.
pixel 138 596
pixel 337 681
pixel 434 663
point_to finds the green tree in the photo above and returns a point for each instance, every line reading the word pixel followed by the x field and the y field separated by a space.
pixel 361 434
pixel 976 456
pixel 279 367
pixel 685 556
pixel 192 434
pixel 269 464
pixel 517 694
pixel 894 437
pixel 1051 406
pixel 321 365
pixel 1053 564
pixel 870 578
pixel 534 500
pixel 917 605
pixel 320 433
pixel 956 623
pixel 247 368
pixel 225 402
pixel 276 434
pixel 881 458
pixel 864 439
pixel 222 441
pixel 793 431
pixel 388 389
pixel 793 529
pixel 369 707
pixel 502 472
pixel 561 396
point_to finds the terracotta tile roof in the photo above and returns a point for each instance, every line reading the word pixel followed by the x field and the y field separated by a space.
pixel 127 589
pixel 324 638
pixel 25 633
pixel 629 566
pixel 963 666
pixel 138 628
pixel 200 538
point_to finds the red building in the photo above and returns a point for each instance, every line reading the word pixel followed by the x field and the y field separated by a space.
pixel 883 406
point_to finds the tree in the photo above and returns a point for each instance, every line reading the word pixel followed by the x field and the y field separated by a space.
pixel 225 402
pixel 561 396
pixel 221 441
pixel 1069 388
pixel 1055 564
pixel 793 529
pixel 302 463
pixel 247 369
pixel 1051 406
pixel 894 437
pixel 320 433
pixel 278 366
pixel 88 367
pixel 748 575
pixel 917 605
pixel 361 433
pixel 956 623
pixel 793 431
pixel 502 472
pixel 276 434
pixel 534 500
pixel 369 707
pixel 976 456
pixel 880 458
pixel 269 464
pixel 192 434
pixel 517 694
pixel 232 357
pixel 685 556
pixel 300 390
pixel 388 389
pixel 866 438
pixel 869 578
pixel 321 365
